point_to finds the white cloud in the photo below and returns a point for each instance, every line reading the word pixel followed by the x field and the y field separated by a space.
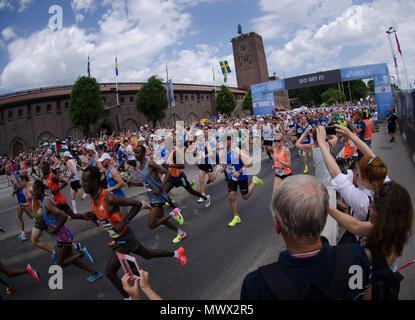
pixel 5 4
pixel 355 35
pixel 141 33
pixel 8 34
pixel 23 5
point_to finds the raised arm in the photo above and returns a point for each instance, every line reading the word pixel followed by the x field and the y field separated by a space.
pixel 362 228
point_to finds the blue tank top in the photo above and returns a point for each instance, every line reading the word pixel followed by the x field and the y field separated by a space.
pixel 152 183
pixel 112 182
pixel 234 164
pixel 50 221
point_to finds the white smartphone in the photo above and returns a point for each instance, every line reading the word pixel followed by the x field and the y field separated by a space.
pixel 129 265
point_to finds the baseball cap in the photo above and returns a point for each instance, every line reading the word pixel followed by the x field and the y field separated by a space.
pixel 105 156
pixel 90 147
pixel 67 154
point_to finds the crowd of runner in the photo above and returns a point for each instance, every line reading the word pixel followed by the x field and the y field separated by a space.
pixel 98 169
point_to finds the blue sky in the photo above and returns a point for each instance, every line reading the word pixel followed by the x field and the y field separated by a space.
pixel 192 36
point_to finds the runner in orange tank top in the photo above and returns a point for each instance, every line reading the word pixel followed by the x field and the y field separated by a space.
pixel 282 161
pixel 106 207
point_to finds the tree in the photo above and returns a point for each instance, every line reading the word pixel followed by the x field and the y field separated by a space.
pixel 247 103
pixel 371 85
pixel 358 89
pixel 332 96
pixel 225 100
pixel 152 100
pixel 85 103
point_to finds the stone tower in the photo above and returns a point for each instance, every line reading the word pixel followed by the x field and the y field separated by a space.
pixel 250 61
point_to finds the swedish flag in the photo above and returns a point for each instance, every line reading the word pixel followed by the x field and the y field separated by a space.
pixel 116 66
pixel 225 67
pixel 89 68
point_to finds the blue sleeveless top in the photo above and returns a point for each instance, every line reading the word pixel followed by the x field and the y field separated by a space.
pixel 112 182
pixel 234 164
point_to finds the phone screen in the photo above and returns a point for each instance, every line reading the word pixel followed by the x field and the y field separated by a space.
pixel 133 268
pixel 331 130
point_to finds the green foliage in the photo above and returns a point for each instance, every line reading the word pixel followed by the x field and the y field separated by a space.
pixel 332 96
pixel 85 103
pixel 371 85
pixel 151 100
pixel 358 89
pixel 247 102
pixel 225 100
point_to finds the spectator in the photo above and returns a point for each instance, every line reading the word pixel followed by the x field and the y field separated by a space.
pixel 144 284
pixel 372 172
pixel 299 207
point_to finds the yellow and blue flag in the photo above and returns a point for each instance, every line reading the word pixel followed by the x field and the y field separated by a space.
pixel 224 65
pixel 116 66
pixel 89 68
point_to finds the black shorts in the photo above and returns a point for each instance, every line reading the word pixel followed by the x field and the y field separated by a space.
pixel 41 225
pixel 243 186
pixel 132 163
pixel 391 128
pixel 268 143
pixel 284 176
pixel 127 242
pixel 64 207
pixel 180 181
pixel 75 185
pixel 205 167
pixel 158 204
pixel 60 244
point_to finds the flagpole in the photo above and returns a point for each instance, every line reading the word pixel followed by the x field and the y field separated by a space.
pixel 169 100
pixel 403 62
pixel 116 79
pixel 394 56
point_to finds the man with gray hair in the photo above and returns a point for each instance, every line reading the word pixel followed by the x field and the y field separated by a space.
pixel 310 268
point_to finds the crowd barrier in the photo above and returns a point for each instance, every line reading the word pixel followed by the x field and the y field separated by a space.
pixel 406 116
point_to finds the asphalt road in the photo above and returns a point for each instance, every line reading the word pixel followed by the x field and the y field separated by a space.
pixel 218 257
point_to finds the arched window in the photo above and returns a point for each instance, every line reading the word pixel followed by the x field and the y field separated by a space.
pixel 10 115
pixel 48 108
pixel 38 112
pixel 20 114
pixel 122 100
pixel 66 105
pixel 131 99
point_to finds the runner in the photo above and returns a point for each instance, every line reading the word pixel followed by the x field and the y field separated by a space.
pixel 179 179
pixel 56 221
pixel 114 180
pixel 22 204
pixel 73 178
pixel 236 162
pixel 150 178
pixel 11 273
pixel 106 208
pixel 304 127
pixel 282 161
pixel 267 137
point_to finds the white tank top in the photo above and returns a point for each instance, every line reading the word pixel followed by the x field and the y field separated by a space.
pixel 321 171
pixel 73 163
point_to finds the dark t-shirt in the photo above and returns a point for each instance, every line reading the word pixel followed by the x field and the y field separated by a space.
pixel 361 125
pixel 303 271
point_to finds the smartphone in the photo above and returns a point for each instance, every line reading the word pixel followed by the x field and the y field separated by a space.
pixel 330 130
pixel 129 265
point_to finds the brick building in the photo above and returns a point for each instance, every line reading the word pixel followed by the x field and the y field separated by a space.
pixel 28 119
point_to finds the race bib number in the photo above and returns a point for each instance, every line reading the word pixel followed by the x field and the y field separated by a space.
pixel 230 169
pixel 279 171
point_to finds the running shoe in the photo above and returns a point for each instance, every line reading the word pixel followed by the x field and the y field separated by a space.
pixel 309 154
pixel 314 165
pixel 9 291
pixel 22 237
pixel 207 201
pixel 234 221
pixel 86 256
pixel 53 257
pixel 193 185
pixel 77 248
pixel 257 180
pixel 94 276
pixel 33 272
pixel 200 200
pixel 179 237
pixel 111 243
pixel 305 170
pixel 182 257
pixel 178 216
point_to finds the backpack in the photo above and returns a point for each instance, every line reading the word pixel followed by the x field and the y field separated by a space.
pixel 282 287
pixel 385 283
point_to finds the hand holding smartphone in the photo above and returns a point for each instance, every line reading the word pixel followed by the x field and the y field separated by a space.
pixel 129 265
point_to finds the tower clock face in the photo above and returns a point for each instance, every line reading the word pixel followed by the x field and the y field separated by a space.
pixel 243 48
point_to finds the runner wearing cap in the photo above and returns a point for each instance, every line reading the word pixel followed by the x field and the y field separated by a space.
pixel 114 180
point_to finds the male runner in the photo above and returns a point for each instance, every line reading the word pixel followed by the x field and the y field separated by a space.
pixel 106 207
pixel 236 163
pixel 11 273
pixel 73 178
pixel 150 178
pixel 22 204
pixel 56 221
